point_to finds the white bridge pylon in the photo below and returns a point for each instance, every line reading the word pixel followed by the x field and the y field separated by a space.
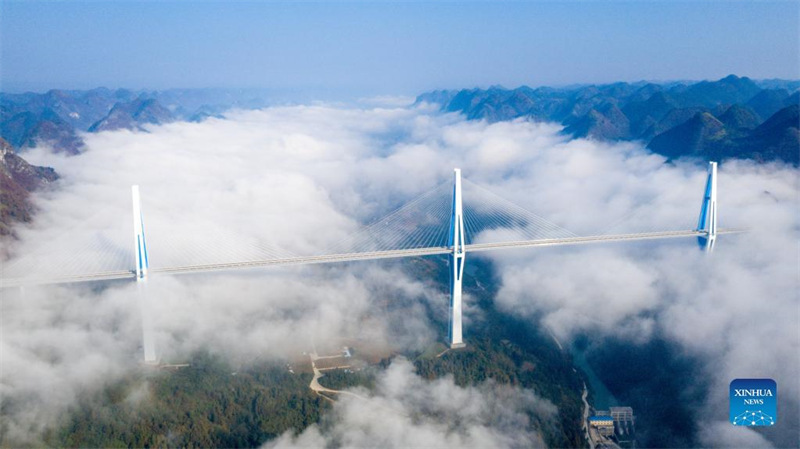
pixel 484 211
pixel 456 242
pixel 707 223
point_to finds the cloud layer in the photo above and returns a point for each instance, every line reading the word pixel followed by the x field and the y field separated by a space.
pixel 298 179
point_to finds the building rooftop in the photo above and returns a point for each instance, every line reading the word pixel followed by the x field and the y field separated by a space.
pixel 598 419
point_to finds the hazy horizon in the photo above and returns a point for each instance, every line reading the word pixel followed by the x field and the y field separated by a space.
pixel 339 94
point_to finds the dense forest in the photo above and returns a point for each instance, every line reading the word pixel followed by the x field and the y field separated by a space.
pixel 511 351
pixel 204 405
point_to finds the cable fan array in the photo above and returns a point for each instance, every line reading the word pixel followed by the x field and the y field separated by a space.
pixel 424 222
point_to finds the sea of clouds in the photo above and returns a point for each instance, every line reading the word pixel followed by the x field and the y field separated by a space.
pixel 298 179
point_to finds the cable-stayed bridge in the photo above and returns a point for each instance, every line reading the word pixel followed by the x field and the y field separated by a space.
pixel 451 219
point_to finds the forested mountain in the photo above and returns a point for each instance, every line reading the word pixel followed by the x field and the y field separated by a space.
pixel 132 115
pixel 730 118
pixel 17 180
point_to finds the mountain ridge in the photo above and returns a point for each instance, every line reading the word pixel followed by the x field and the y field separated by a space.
pixel 706 119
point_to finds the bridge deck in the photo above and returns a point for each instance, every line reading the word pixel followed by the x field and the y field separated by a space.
pixel 350 257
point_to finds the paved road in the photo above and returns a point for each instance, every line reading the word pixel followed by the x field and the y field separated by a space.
pixel 315 385
pixel 586 408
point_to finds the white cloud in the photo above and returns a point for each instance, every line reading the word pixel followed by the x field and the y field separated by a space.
pixel 408 411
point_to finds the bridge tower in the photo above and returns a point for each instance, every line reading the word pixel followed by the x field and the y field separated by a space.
pixel 707 222
pixel 456 242
pixel 142 264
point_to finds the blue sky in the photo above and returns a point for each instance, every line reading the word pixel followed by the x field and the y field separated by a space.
pixel 389 47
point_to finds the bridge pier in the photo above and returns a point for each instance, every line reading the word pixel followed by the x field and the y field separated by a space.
pixel 708 211
pixel 148 341
pixel 456 242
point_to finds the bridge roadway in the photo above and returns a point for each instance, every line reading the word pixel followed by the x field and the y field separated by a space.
pixel 350 257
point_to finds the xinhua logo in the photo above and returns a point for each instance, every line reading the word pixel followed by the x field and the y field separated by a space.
pixel 753 402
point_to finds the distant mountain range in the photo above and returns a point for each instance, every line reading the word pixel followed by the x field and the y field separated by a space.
pixel 730 118
pixel 56 117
